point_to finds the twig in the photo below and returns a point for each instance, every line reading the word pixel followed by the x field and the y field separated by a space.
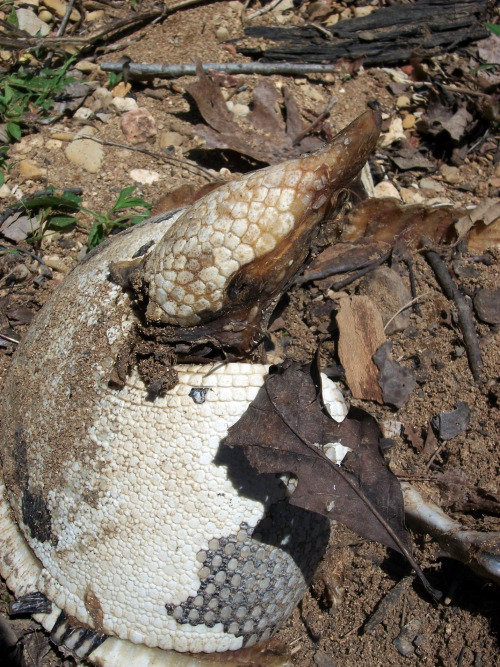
pixel 88 40
pixel 358 274
pixel 323 116
pixel 264 10
pixel 60 32
pixel 407 305
pixel 11 340
pixel 384 605
pixel 464 313
pixel 190 166
pixel 140 71
pixel 26 252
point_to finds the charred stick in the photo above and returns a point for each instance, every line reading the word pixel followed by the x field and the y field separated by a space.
pixel 359 274
pixel 464 311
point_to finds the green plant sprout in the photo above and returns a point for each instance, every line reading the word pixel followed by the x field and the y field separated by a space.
pixel 56 212
pixel 26 92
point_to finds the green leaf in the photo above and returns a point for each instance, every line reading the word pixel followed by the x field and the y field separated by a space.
pixel 61 221
pixel 14 131
pixel 67 200
pixel 96 234
pixel 124 201
pixel 495 29
pixel 12 19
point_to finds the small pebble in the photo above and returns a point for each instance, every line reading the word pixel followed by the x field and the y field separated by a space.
pixel 121 89
pixel 5 191
pixel 241 109
pixel 63 136
pixel 125 104
pixel 32 24
pixel 138 125
pixel 144 176
pixel 360 12
pixel 86 153
pixel 96 15
pixel 487 305
pixel 45 16
pixel 409 122
pixel 450 174
pixel 83 113
pixel 386 189
pixel 53 144
pixel 30 170
pixel 167 139
pixel 403 102
pixel 59 8
pixel 222 33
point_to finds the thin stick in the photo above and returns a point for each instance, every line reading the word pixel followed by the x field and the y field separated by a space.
pixel 323 116
pixel 11 340
pixel 61 31
pixel 190 166
pixel 88 40
pixel 358 274
pixel 465 321
pixel 140 71
pixel 407 305
pixel 264 10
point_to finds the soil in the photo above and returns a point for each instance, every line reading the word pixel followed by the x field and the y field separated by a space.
pixel 330 625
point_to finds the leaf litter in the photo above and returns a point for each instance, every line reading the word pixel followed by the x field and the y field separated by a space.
pixel 286 429
pixel 267 137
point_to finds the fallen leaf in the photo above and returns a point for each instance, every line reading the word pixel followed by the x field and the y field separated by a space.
pixel 19 315
pixel 450 424
pixel 388 220
pixel 184 195
pixel 396 381
pixel 407 158
pixel 19 226
pixel 461 496
pixel 361 333
pixel 285 430
pixel 269 140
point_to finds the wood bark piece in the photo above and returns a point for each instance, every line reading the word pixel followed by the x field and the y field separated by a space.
pixel 361 334
pixel 384 37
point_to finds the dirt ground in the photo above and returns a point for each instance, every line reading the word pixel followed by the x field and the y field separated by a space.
pixel 464 629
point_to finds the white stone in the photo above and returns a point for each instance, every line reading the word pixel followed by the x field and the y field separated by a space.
pixel 124 104
pixel 29 21
pixel 144 176
pixel 85 153
pixel 386 189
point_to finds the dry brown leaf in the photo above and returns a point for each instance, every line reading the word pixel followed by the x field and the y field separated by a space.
pixel 269 139
pixel 361 333
pixel 184 195
pixel 284 430
pixel 459 495
pixel 388 220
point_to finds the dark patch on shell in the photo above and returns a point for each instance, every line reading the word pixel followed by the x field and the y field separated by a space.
pixel 35 512
pixel 252 580
pixel 143 249
pixel 37 517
